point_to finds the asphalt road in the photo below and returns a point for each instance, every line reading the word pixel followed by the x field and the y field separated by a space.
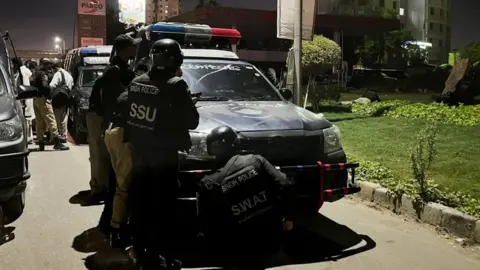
pixel 372 239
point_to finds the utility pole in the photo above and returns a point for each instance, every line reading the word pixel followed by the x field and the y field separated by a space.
pixel 297 48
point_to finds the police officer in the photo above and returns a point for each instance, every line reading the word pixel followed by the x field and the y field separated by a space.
pixel 119 149
pixel 243 205
pixel 161 114
pixel 42 106
pixel 116 79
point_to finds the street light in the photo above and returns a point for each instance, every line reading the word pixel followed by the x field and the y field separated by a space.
pixel 58 40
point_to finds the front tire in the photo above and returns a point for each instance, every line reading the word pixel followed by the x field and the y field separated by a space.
pixel 13 208
pixel 78 136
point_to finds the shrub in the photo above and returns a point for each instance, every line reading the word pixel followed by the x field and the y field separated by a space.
pixel 421 158
pixel 377 173
pixel 320 52
pixel 461 115
pixel 377 108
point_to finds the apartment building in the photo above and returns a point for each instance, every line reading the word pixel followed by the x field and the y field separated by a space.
pixel 362 8
pixel 428 20
pixel 161 10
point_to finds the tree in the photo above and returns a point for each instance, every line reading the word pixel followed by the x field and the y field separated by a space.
pixel 471 52
pixel 378 47
pixel 321 52
pixel 114 26
pixel 318 57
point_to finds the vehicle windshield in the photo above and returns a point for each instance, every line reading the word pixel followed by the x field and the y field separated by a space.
pixel 227 80
pixel 90 75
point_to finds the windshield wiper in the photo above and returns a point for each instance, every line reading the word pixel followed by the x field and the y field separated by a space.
pixel 261 98
pixel 213 98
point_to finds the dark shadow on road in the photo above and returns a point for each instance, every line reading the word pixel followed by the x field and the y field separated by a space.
pixel 7 235
pixel 317 239
pixel 32 150
pixel 91 240
pixel 84 198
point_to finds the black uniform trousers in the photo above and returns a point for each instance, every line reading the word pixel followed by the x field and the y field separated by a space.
pixel 154 197
pixel 107 213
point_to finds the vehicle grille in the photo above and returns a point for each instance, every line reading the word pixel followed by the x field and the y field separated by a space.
pixel 285 150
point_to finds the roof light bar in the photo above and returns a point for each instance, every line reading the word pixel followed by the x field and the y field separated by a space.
pixel 87 51
pixel 194 32
pixel 96 60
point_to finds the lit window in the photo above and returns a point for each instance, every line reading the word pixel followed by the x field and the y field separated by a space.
pixel 402 11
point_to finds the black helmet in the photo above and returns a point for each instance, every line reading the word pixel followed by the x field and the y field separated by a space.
pixel 166 54
pixel 221 142
pixel 58 64
pixel 45 61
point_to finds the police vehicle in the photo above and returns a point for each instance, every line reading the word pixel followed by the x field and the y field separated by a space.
pixel 85 64
pixel 13 142
pixel 235 93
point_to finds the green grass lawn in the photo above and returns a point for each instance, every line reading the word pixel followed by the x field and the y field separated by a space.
pixel 417 97
pixel 389 141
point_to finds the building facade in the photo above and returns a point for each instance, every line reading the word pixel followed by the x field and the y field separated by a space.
pixel 161 10
pixel 259 40
pixel 360 8
pixel 430 21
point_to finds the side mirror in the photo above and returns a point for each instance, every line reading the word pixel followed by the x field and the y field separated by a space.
pixel 26 92
pixel 286 93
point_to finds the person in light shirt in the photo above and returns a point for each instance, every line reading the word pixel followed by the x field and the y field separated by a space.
pixel 61 113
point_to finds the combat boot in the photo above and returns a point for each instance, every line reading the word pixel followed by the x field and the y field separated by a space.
pixel 58 145
pixel 119 238
pixel 41 145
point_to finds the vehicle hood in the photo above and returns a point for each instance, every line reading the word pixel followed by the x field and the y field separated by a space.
pixel 7 107
pixel 258 116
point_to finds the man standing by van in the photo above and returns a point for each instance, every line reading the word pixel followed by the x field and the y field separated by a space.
pixel 42 106
pixel 63 81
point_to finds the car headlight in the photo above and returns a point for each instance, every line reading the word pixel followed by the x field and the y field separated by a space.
pixel 199 145
pixel 332 141
pixel 11 130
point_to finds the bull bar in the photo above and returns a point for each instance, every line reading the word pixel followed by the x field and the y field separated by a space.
pixel 323 168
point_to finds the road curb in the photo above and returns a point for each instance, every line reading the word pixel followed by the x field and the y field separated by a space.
pixel 435 214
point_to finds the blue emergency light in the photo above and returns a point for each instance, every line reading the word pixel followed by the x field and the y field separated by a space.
pixel 88 51
pixel 194 32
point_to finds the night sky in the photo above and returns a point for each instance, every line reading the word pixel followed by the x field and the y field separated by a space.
pixel 33 25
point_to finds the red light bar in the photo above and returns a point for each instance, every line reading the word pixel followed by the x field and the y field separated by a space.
pixel 225 32
pixel 233 34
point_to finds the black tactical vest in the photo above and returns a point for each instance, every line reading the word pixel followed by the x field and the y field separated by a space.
pixel 150 121
pixel 238 200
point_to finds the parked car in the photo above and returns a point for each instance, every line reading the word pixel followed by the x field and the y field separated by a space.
pixel 14 152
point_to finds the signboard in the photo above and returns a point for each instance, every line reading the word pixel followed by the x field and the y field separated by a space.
pixel 286 18
pixel 87 41
pixel 91 26
pixel 132 11
pixel 92 7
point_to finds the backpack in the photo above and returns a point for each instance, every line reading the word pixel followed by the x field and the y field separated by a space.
pixel 60 95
